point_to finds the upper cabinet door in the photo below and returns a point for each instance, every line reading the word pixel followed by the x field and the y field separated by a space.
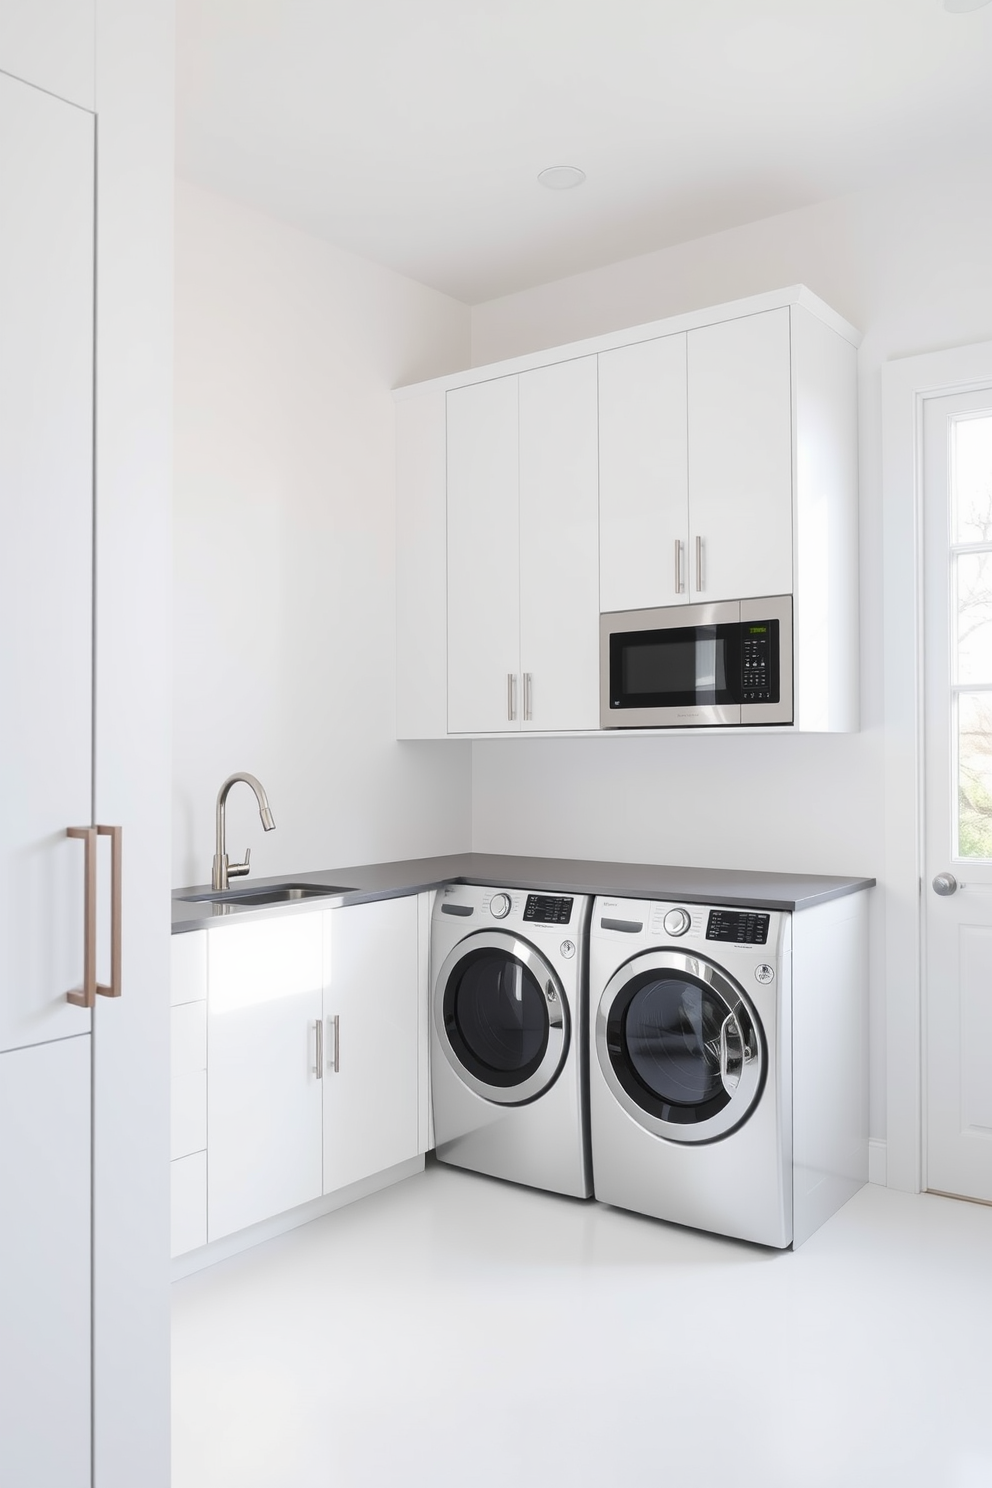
pixel 740 458
pixel 643 475
pixel 46 556
pixel 483 558
pixel 559 547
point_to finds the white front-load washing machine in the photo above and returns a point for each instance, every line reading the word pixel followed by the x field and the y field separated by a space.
pixel 690 1068
pixel 507 1035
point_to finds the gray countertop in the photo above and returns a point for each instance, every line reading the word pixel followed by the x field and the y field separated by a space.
pixel 731 886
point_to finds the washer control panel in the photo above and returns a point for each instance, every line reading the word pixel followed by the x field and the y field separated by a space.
pixel 499 906
pixel 738 926
pixel 548 909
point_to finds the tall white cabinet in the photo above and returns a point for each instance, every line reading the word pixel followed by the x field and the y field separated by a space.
pixel 85 348
pixel 46 565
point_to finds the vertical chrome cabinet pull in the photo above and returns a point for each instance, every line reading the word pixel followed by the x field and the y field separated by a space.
pixel 86 997
pixel 528 697
pixel 511 696
pixel 679 580
pixel 336 1066
pixel 116 891
pixel 319 1061
pixel 699 564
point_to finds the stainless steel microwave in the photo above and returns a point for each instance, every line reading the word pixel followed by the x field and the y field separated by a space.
pixel 687 666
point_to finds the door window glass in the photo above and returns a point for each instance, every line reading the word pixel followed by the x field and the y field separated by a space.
pixel 971 590
pixel 667 1033
pixel 495 1017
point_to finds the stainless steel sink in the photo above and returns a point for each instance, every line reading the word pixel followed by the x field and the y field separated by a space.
pixel 256 897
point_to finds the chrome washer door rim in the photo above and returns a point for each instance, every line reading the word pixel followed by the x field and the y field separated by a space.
pixel 555 1007
pixel 751 1081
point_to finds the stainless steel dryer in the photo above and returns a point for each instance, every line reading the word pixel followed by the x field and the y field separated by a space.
pixel 507 1026
pixel 690 1072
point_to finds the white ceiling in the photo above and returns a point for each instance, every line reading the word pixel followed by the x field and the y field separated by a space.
pixel 412 131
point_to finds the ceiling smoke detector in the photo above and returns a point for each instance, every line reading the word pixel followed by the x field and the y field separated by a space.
pixel 957 7
pixel 561 177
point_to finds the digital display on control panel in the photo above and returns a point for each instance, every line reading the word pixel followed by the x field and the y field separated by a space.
pixel 548 909
pixel 739 926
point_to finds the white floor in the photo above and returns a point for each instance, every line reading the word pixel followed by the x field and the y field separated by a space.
pixel 455 1330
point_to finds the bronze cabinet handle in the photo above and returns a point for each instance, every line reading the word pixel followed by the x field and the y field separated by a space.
pixel 86 996
pixel 116 893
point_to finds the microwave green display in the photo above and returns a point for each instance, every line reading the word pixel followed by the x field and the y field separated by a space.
pixel 757 630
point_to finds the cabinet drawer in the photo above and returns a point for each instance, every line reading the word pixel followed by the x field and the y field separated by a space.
pixel 265 961
pixel 189 1038
pixel 189 967
pixel 189 1113
pixel 189 1203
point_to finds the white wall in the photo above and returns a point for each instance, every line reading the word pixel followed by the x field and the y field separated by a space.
pixel 286 351
pixel 910 267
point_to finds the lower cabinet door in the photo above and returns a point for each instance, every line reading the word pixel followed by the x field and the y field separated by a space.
pixel 45 1265
pixel 371 1046
pixel 263 1090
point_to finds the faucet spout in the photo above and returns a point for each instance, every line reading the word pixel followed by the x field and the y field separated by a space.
pixel 222 869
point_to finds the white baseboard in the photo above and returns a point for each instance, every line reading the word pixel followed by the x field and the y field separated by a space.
pixel 279 1224
pixel 877 1162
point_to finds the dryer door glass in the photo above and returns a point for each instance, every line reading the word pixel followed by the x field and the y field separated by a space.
pixel 684 1049
pixel 496 1017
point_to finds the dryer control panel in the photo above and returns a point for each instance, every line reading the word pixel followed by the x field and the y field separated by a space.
pixel 739 926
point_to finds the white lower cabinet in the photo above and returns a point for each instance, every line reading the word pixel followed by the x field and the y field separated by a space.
pixel 264 996
pixel 371 1074
pixel 297 1061
pixel 45 1335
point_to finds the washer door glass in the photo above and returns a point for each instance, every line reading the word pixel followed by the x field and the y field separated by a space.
pixel 680 1044
pixel 501 1018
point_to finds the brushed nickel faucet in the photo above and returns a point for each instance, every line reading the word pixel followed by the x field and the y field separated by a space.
pixel 223 870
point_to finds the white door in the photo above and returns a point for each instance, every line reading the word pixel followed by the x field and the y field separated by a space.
pixel 643 475
pixel 957 498
pixel 371 1040
pixel 483 559
pixel 559 547
pixel 740 458
pixel 264 998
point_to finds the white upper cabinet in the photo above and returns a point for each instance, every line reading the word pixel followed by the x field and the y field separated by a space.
pixel 49 43
pixel 643 476
pixel 708 458
pixel 740 458
pixel 559 548
pixel 46 557
pixel 522 545
pixel 483 558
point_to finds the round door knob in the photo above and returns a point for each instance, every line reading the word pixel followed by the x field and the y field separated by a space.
pixel 945 883
pixel 677 922
pixel 499 906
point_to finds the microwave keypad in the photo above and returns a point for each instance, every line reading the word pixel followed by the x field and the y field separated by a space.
pixel 739 926
pixel 755 685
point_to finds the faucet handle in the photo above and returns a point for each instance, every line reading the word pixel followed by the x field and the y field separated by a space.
pixel 240 870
